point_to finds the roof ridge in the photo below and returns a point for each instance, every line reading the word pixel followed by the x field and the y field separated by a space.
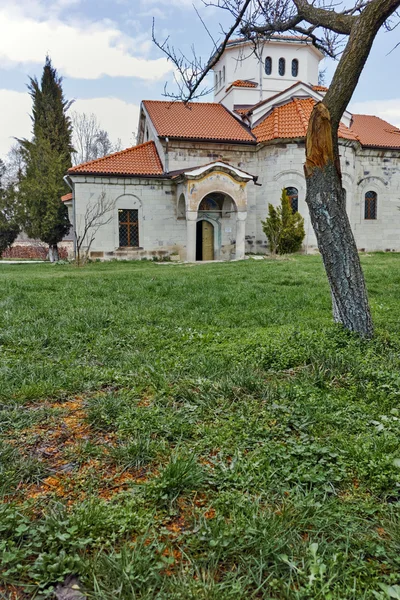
pixel 182 102
pixel 275 115
pixel 300 111
pixel 266 100
pixel 103 158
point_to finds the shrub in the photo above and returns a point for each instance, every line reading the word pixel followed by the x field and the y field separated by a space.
pixel 283 227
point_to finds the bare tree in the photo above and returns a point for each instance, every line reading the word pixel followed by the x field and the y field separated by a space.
pixel 89 140
pixel 97 215
pixel 14 164
pixel 331 27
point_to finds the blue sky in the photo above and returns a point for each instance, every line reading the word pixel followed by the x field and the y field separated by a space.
pixel 103 49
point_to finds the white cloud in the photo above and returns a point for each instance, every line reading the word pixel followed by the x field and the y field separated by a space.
pixel 116 116
pixel 389 110
pixel 14 118
pixel 83 51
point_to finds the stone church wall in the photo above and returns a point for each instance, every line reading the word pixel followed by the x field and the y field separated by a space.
pixel 161 233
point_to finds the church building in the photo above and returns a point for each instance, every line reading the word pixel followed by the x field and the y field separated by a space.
pixel 198 184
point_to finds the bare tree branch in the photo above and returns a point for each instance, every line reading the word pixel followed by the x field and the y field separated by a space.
pixel 193 74
pixel 97 215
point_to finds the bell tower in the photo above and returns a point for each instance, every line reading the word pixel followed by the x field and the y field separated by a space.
pixel 243 76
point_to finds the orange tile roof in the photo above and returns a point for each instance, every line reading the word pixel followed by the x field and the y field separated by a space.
pixel 245 83
pixel 373 131
pixel 138 160
pixel 196 121
pixel 291 121
pixel 66 197
pixel 320 88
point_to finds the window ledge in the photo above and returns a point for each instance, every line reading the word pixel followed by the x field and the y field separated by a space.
pixel 123 248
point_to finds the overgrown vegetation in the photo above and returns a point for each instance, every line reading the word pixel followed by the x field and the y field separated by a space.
pixel 204 432
pixel 283 227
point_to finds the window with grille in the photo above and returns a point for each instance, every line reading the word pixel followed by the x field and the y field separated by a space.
pixel 128 221
pixel 295 67
pixel 282 66
pixel 293 196
pixel 268 65
pixel 370 206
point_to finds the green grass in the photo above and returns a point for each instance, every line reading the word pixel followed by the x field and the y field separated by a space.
pixel 198 432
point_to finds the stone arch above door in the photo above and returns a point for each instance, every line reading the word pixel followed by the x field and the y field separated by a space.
pixel 217 178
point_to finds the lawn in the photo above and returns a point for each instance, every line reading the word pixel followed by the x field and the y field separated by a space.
pixel 198 432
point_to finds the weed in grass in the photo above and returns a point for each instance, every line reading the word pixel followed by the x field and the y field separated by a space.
pixel 135 571
pixel 135 453
pixel 181 474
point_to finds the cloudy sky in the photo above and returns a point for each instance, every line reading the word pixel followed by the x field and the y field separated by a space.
pixel 104 51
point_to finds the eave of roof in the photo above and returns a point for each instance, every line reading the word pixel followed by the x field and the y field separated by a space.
pixel 137 161
pixel 275 38
pixel 242 83
pixel 217 164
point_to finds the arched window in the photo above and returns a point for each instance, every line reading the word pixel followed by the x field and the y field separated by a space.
pixel 293 195
pixel 295 67
pixel 223 73
pixel 216 80
pixel 370 205
pixel 220 77
pixel 282 66
pixel 268 65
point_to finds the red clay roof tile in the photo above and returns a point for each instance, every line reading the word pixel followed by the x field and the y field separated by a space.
pixel 373 131
pixel 138 160
pixel 66 197
pixel 196 121
pixel 291 121
pixel 244 83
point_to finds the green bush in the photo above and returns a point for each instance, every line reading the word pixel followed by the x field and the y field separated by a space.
pixel 283 227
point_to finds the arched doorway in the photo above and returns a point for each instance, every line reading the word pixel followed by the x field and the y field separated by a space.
pixel 204 240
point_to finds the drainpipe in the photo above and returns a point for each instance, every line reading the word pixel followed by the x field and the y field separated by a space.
pixel 166 155
pixel 261 71
pixel 71 187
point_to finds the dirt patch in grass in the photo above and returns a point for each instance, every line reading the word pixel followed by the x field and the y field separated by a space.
pixel 59 445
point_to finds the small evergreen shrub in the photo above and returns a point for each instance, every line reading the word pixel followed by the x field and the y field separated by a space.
pixel 283 227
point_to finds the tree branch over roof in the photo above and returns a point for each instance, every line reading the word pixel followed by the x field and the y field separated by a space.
pixel 320 21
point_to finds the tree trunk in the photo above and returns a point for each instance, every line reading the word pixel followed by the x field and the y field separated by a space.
pixel 53 253
pixel 332 227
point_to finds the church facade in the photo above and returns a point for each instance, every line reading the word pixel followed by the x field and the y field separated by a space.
pixel 198 184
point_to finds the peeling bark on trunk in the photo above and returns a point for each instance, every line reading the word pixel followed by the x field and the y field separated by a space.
pixel 331 225
pixel 53 253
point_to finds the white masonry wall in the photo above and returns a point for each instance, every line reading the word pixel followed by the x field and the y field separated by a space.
pixel 377 171
pixel 161 233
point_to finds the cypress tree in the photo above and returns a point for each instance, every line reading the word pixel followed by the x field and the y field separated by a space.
pixel 47 158
pixel 283 227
